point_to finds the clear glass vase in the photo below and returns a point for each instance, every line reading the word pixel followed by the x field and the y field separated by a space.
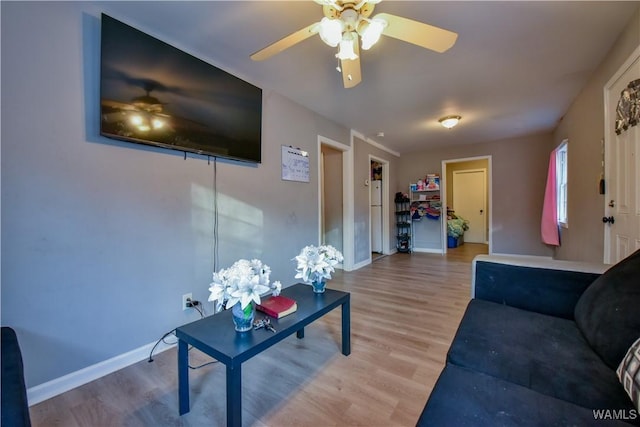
pixel 243 318
pixel 319 286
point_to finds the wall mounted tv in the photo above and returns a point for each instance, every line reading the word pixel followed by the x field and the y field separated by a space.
pixel 153 93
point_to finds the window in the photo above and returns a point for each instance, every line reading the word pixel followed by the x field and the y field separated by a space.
pixel 561 182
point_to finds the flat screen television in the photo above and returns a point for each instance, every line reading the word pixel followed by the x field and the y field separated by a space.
pixel 155 94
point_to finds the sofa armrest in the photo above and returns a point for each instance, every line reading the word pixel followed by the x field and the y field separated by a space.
pixel 545 286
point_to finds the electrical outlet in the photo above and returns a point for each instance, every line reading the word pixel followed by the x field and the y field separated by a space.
pixel 186 297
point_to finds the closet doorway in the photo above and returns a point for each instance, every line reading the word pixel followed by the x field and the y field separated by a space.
pixel 467 194
pixel 378 183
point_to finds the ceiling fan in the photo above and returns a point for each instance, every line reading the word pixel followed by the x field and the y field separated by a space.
pixel 344 20
pixel 142 115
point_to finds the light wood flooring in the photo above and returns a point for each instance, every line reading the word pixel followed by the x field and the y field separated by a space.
pixel 405 309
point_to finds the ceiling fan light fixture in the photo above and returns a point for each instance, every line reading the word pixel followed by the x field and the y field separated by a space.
pixel 157 123
pixel 346 48
pixel 331 31
pixel 449 121
pixel 136 120
pixel 371 32
pixel 345 21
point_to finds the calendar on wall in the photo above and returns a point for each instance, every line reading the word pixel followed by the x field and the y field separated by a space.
pixel 295 164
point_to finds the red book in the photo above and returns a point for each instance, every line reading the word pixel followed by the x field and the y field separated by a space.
pixel 278 306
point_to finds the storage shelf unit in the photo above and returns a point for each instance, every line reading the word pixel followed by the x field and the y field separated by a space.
pixel 403 224
pixel 426 217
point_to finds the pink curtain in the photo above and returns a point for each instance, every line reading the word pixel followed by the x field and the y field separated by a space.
pixel 549 223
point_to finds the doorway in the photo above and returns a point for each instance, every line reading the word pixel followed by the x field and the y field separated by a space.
pixel 378 184
pixel 466 193
pixel 375 208
pixel 333 166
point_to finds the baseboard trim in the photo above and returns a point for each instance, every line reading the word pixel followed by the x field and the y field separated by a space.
pixel 75 379
pixel 427 250
pixel 361 264
pixel 540 257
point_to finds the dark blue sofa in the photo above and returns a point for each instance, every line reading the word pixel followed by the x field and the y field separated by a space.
pixel 539 345
pixel 15 409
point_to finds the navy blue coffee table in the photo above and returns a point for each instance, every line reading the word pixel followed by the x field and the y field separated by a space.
pixel 216 337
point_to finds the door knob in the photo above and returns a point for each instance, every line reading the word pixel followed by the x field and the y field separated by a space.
pixel 608 219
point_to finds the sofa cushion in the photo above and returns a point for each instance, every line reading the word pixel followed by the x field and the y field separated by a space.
pixel 608 314
pixel 466 398
pixel 629 373
pixel 551 291
pixel 544 353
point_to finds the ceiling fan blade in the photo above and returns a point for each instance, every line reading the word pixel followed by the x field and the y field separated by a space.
pixel 418 33
pixel 351 74
pixel 286 42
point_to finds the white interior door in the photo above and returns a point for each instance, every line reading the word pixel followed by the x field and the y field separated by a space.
pixel 470 202
pixel 622 169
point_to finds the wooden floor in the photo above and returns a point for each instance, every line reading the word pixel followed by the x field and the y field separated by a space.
pixel 405 309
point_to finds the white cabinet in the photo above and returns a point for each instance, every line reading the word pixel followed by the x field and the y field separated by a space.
pixel 376 216
pixel 376 229
pixel 376 193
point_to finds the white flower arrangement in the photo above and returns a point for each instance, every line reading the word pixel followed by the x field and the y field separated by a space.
pixel 317 263
pixel 245 281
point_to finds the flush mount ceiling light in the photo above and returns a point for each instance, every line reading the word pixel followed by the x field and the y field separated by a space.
pixel 449 121
pixel 345 20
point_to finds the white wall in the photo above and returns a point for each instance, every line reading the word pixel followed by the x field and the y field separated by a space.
pixel 519 172
pixel 583 125
pixel 101 238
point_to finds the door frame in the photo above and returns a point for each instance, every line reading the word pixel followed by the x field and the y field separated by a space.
pixel 608 115
pixel 347 202
pixel 443 197
pixel 384 199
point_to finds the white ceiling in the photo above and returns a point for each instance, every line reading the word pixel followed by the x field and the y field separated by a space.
pixel 514 70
